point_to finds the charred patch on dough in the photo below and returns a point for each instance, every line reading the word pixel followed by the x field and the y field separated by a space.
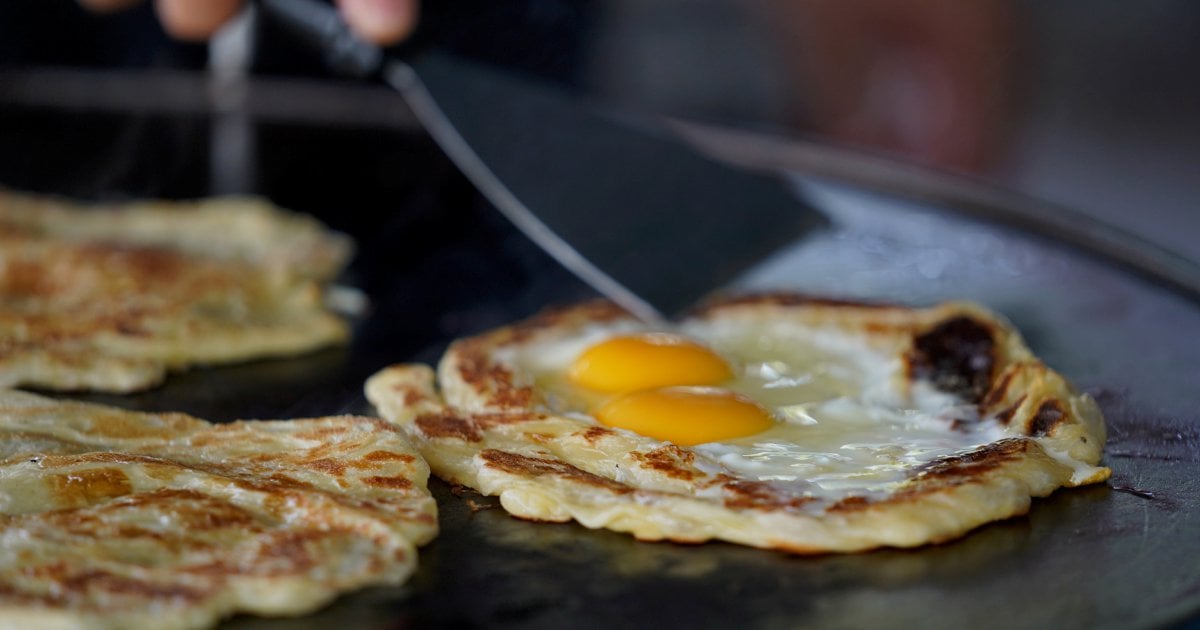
pixel 943 472
pixel 1004 416
pixel 393 483
pixel 972 464
pixel 387 456
pixel 595 434
pixel 1049 414
pixel 957 356
pixel 525 466
pixel 489 420
pixel 850 504
pixel 479 372
pixel 669 460
pixel 331 467
pixel 410 394
pixel 998 391
pixel 445 425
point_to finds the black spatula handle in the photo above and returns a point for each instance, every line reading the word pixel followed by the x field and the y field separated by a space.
pixel 320 26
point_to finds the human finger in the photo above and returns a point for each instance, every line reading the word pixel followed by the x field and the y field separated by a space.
pixel 193 20
pixel 380 21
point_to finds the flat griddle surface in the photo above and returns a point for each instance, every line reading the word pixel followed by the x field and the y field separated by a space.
pixel 437 263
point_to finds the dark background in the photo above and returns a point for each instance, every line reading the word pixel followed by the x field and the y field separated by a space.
pixel 1099 110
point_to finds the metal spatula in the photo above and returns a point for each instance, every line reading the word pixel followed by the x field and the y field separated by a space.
pixel 641 217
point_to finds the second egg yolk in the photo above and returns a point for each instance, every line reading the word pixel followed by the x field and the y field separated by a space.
pixel 634 362
pixel 685 416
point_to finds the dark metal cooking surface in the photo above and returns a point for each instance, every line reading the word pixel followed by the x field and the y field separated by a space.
pixel 437 264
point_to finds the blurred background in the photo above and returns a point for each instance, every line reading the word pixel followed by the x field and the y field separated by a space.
pixel 1092 105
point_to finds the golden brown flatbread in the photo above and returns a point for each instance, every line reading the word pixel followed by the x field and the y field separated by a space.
pixel 116 519
pixel 113 297
pixel 889 426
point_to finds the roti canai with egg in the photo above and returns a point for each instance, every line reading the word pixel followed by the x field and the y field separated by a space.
pixel 116 519
pixel 773 421
pixel 112 297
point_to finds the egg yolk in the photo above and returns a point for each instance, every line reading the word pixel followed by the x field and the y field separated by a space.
pixel 634 362
pixel 685 416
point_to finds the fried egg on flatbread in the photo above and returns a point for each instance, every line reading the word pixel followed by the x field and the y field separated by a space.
pixel 117 519
pixel 113 297
pixel 772 421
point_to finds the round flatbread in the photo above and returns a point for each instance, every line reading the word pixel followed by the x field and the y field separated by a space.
pixel 115 519
pixel 889 426
pixel 112 297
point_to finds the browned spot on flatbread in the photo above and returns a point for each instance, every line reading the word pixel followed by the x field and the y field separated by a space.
pixel 998 391
pixel 88 487
pixel 319 433
pixel 1049 414
pixel 517 464
pixel 387 456
pixel 118 424
pixel 540 438
pixel 333 467
pixel 595 434
pixel 1004 416
pixel 479 372
pixel 395 483
pixel 490 420
pixel 70 582
pixel 943 472
pixel 445 425
pixel 288 482
pixel 366 463
pixel 286 552
pixel 850 504
pixel 957 356
pixel 410 395
pixel 145 264
pixel 886 329
pixel 976 462
pixel 192 511
pixel 760 495
pixel 669 460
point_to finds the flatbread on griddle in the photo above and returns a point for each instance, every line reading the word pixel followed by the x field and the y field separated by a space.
pixel 117 519
pixel 113 297
pixel 893 426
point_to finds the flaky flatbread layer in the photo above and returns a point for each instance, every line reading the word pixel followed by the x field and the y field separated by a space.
pixel 491 422
pixel 113 297
pixel 116 519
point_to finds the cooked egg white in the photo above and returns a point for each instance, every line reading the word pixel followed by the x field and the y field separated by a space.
pixel 820 411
